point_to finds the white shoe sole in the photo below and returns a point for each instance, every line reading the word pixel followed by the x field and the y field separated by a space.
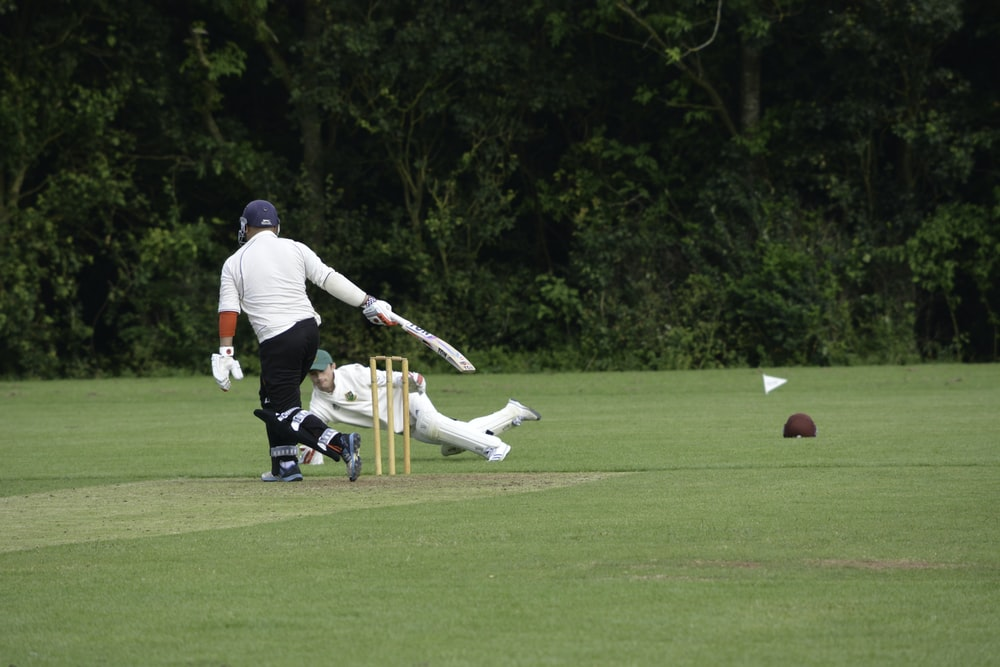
pixel 497 453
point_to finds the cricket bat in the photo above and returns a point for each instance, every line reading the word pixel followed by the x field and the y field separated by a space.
pixel 444 349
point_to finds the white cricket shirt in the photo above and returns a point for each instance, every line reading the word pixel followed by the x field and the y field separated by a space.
pixel 350 402
pixel 266 279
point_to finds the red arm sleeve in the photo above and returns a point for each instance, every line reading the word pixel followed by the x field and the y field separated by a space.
pixel 227 324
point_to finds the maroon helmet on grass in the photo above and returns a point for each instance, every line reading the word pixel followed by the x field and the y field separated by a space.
pixel 800 425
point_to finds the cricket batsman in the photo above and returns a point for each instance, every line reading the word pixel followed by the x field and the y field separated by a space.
pixel 266 279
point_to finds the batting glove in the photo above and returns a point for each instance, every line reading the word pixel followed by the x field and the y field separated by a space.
pixel 378 312
pixel 417 380
pixel 224 365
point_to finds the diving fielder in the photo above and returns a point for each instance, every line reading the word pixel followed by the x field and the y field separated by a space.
pixel 343 395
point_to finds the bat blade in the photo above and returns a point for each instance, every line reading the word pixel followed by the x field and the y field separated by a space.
pixel 443 348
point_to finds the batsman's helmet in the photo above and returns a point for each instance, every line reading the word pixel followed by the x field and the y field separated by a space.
pixel 258 213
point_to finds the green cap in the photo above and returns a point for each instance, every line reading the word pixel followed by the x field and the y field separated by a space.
pixel 323 361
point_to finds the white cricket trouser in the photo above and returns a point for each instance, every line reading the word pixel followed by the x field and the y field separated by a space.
pixel 432 427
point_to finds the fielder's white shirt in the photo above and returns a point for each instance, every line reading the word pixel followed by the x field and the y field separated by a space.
pixel 350 402
pixel 266 279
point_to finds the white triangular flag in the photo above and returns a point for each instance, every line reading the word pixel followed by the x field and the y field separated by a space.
pixel 771 383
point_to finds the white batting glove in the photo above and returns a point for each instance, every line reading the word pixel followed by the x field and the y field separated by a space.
pixel 417 380
pixel 378 312
pixel 224 364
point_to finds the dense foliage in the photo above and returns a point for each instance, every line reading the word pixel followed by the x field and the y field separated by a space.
pixel 609 184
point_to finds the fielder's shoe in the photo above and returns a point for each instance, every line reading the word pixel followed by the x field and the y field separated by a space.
pixel 351 444
pixel 290 474
pixel 450 450
pixel 524 413
pixel 498 453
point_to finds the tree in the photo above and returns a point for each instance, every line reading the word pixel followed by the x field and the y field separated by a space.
pixel 65 178
pixel 614 184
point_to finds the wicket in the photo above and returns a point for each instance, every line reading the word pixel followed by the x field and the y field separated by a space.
pixel 390 417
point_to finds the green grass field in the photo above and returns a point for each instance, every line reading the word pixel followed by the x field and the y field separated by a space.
pixel 648 519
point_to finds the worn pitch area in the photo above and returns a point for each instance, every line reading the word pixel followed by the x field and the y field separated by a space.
pixel 175 506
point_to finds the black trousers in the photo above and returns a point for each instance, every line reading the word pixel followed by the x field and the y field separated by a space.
pixel 284 363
